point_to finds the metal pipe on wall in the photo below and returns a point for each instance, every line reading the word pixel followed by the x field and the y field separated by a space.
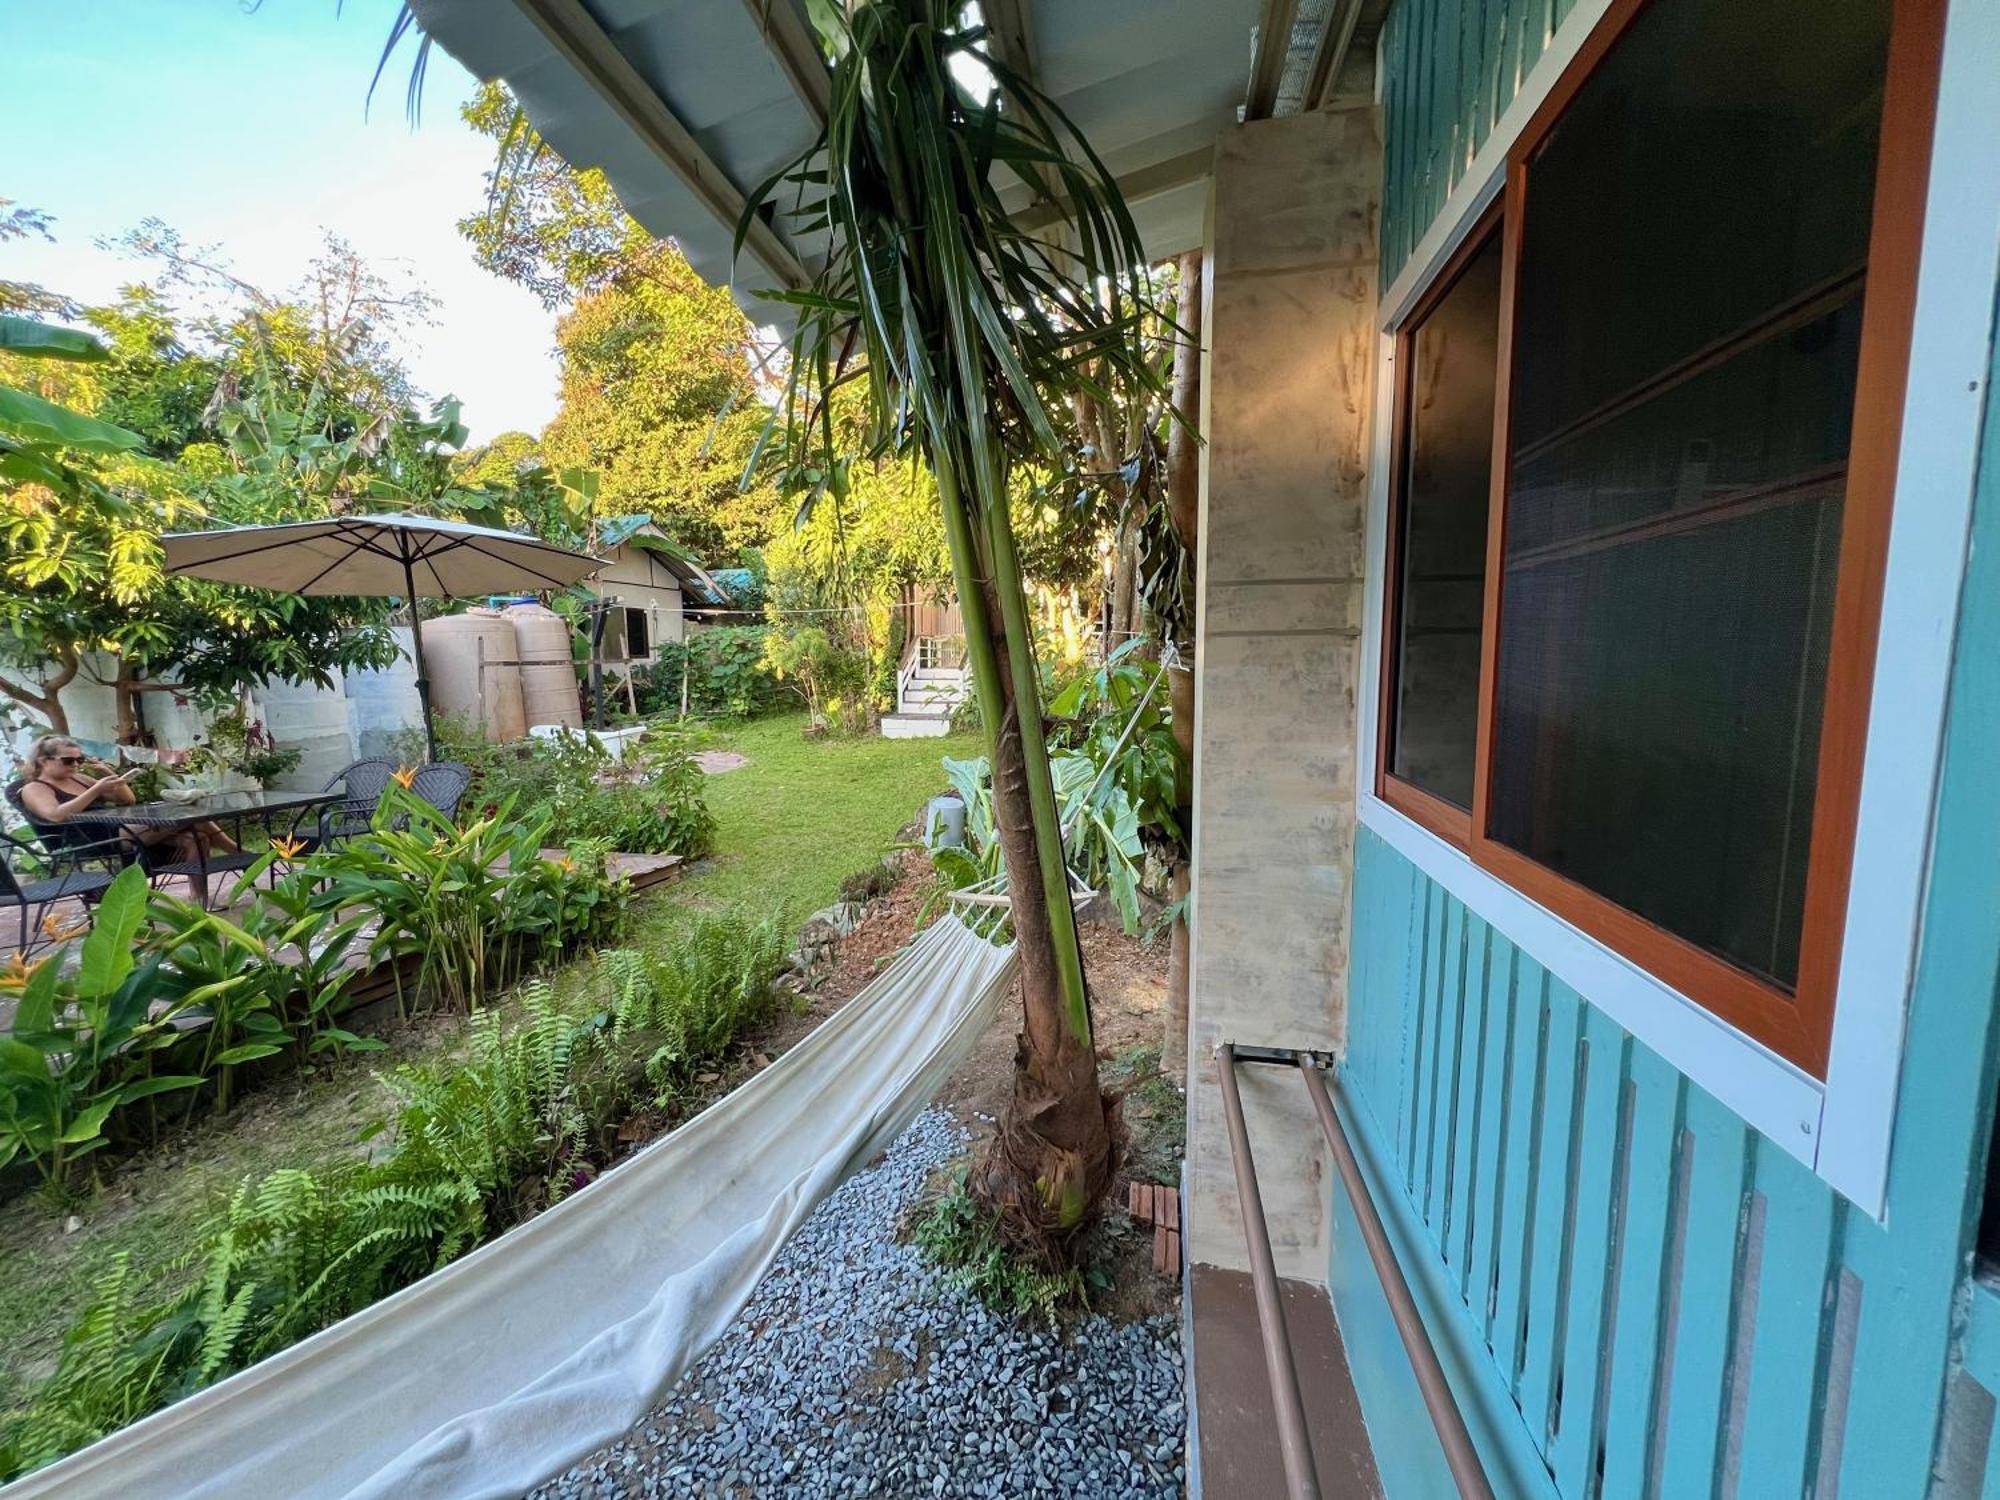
pixel 1294 1444
pixel 1459 1453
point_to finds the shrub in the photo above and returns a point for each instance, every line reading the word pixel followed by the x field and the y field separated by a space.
pixel 479 1143
pixel 654 803
pixel 726 676
pixel 93 1037
pixel 958 1233
pixel 686 1003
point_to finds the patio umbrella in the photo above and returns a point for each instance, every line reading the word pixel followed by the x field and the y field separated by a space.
pixel 379 557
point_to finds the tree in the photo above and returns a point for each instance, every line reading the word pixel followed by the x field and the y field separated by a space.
pixel 551 228
pixel 658 398
pixel 660 393
pixel 262 408
pixel 970 331
pixel 19 222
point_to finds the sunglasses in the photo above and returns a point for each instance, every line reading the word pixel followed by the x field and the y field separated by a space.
pixel 70 760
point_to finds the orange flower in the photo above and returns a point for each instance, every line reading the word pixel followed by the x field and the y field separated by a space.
pixel 403 776
pixel 18 971
pixel 288 849
pixel 566 865
pixel 60 931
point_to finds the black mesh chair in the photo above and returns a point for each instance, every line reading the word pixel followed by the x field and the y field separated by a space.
pixel 72 844
pixel 360 786
pixel 56 875
pixel 443 785
pixel 161 863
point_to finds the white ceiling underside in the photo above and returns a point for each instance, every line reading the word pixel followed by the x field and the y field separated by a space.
pixel 1151 83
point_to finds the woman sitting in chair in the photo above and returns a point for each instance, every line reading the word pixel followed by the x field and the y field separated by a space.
pixel 56 789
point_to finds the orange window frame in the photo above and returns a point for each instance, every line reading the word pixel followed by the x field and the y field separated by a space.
pixel 1444 818
pixel 1797 1025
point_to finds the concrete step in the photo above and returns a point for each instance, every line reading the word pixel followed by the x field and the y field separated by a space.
pixel 919 726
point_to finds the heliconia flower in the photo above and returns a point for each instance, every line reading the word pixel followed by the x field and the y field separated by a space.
pixel 18 971
pixel 403 776
pixel 288 849
pixel 60 931
pixel 566 865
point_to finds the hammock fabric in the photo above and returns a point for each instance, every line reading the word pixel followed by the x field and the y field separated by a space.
pixel 505 1367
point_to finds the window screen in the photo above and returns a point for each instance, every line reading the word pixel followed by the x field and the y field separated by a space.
pixel 1441 543
pixel 1687 326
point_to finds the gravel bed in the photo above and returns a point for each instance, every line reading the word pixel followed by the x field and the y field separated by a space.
pixel 858 1370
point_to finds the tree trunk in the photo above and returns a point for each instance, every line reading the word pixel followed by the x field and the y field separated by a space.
pixel 1183 508
pixel 1052 1159
pixel 125 690
pixel 48 702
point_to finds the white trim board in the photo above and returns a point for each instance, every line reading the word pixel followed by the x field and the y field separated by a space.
pixel 1842 1128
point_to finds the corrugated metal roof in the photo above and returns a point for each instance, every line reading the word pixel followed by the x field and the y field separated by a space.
pixel 614 532
pixel 1151 83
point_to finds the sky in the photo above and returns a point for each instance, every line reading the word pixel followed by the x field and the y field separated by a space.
pixel 248 127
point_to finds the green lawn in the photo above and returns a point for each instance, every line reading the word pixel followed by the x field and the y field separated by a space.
pixel 804 814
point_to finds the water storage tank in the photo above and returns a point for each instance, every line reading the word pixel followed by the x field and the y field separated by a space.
pixel 548 677
pixel 475 672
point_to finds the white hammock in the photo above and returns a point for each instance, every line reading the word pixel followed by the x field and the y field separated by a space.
pixel 505 1367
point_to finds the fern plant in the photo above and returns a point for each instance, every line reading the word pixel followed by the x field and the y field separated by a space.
pixel 478 1143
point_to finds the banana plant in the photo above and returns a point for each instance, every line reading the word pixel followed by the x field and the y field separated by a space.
pixel 81 1040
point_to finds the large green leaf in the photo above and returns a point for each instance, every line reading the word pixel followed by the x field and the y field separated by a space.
pixel 26 337
pixel 107 952
pixel 86 1126
pixel 28 416
pixel 37 1011
pixel 249 1052
pixel 162 1085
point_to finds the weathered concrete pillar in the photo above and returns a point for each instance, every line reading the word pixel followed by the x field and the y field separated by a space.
pixel 1291 292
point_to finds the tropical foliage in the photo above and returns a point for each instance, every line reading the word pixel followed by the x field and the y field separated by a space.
pixel 470 909
pixel 971 332
pixel 725 673
pixel 1116 771
pixel 530 1111
pixel 652 802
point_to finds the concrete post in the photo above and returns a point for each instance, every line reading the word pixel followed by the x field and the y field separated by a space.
pixel 1291 297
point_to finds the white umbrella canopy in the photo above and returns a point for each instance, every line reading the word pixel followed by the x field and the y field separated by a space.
pixel 379 557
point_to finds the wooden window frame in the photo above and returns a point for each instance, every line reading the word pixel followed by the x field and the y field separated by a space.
pixel 1796 1025
pixel 1442 817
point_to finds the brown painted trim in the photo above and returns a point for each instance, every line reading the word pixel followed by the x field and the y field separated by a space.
pixel 1433 812
pixel 1902 179
pixel 1496 516
pixel 1448 821
pixel 1798 1025
pixel 1752 1004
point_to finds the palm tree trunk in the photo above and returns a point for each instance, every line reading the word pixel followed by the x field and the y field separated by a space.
pixel 1053 1158
pixel 1183 484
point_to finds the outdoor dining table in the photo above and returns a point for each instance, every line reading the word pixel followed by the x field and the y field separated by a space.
pixel 236 808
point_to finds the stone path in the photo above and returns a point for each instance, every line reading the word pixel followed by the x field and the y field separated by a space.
pixel 857 1370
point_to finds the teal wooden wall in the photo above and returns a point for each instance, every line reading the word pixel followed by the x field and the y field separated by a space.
pixel 1449 69
pixel 1666 1303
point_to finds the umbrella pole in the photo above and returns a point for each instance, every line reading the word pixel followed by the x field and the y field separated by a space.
pixel 417 645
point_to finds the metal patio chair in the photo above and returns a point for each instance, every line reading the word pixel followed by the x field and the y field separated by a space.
pixel 61 876
pixel 361 786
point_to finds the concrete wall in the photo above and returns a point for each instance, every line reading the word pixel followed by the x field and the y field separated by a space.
pixel 358 716
pixel 641 581
pixel 1286 396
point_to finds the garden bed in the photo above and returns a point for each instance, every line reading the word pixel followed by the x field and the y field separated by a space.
pixel 845 800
